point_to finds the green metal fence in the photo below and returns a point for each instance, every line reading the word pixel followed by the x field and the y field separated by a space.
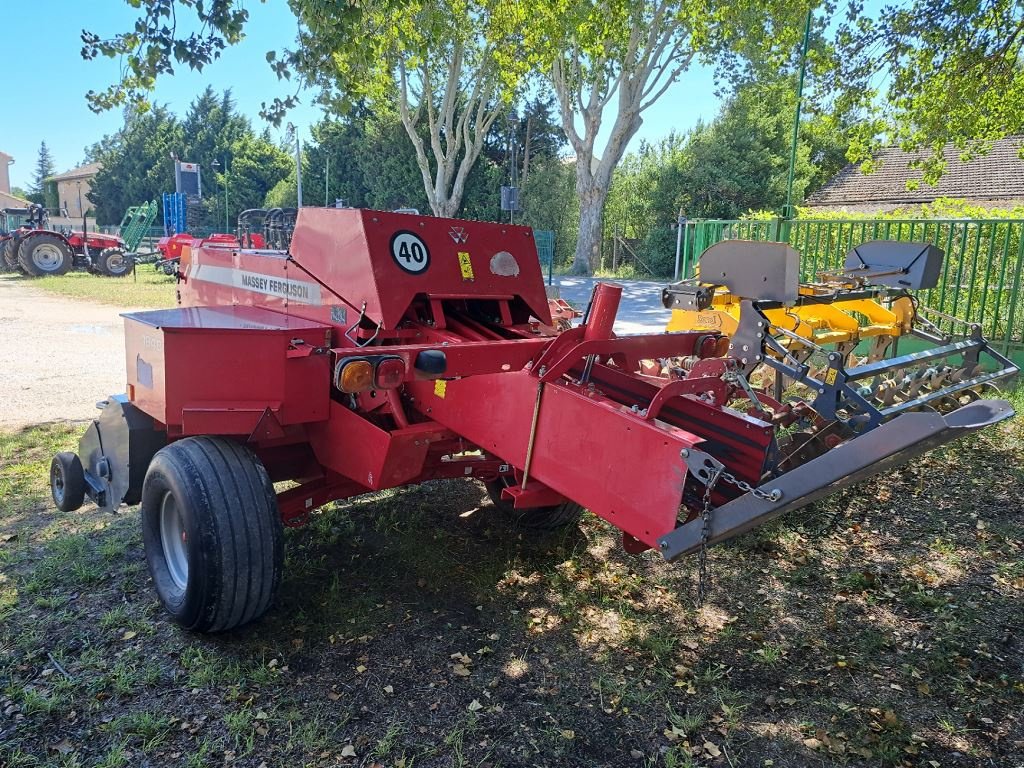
pixel 981 274
pixel 545 240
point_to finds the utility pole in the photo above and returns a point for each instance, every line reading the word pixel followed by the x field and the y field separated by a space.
pixel 327 181
pixel 787 212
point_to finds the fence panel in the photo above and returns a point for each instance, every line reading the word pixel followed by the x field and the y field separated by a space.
pixel 981 274
pixel 545 240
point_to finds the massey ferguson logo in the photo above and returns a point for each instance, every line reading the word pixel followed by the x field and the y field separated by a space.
pixel 459 235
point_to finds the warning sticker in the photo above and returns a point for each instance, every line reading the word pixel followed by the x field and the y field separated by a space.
pixel 830 377
pixel 465 266
pixel 439 387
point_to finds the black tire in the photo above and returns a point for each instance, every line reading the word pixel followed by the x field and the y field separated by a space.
pixel 45 254
pixel 113 262
pixel 549 518
pixel 219 496
pixel 10 254
pixel 67 481
pixel 4 265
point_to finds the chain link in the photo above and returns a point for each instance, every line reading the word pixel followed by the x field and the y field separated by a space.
pixel 743 485
pixel 703 579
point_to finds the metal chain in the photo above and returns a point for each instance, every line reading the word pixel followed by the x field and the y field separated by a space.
pixel 772 495
pixel 703 582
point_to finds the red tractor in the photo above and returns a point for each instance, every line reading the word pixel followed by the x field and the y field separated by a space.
pixel 34 249
pixel 370 350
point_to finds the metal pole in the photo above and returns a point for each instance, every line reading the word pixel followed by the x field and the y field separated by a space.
pixel 787 212
pixel 298 168
pixel 227 224
pixel 679 242
pixel 327 181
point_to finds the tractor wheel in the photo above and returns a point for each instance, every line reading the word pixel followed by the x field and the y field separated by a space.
pixel 113 262
pixel 4 266
pixel 67 481
pixel 549 518
pixel 45 254
pixel 212 533
pixel 10 254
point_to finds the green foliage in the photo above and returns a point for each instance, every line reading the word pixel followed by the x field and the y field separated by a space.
pixel 44 169
pixel 927 73
pixel 737 163
pixel 153 46
pixel 137 162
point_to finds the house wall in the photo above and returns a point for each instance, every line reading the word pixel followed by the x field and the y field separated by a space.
pixel 68 197
pixel 5 173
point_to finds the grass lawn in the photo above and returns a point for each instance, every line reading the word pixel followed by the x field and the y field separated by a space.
pixel 418 628
pixel 147 288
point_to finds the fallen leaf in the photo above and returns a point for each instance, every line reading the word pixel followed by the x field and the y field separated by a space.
pixel 63 746
pixel 570 735
pixel 475 706
pixel 129 635
pixel 711 749
pixel 360 669
pixel 389 689
pixel 333 696
pixel 348 751
pixel 460 670
pixel 812 743
pixel 636 754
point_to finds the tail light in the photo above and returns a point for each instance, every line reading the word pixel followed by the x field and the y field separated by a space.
pixel 390 373
pixel 353 375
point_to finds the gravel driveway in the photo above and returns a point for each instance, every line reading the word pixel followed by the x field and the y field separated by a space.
pixel 58 357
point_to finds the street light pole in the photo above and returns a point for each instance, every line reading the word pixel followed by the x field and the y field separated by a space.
pixel 787 212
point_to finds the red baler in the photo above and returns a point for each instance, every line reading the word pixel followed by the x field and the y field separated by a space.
pixel 384 349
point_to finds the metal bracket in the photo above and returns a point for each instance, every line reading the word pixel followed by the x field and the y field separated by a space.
pixel 703 466
pixel 351 336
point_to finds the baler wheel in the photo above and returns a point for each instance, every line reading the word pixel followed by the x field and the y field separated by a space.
pixel 549 518
pixel 45 254
pixel 113 262
pixel 212 532
pixel 67 481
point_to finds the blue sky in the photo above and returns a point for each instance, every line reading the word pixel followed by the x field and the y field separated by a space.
pixel 50 87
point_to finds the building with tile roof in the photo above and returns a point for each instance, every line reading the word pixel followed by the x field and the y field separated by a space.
pixel 993 180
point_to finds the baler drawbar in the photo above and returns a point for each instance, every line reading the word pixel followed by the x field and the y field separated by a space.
pixel 374 350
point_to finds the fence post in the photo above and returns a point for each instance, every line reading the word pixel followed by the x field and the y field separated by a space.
pixel 680 223
pixel 615 248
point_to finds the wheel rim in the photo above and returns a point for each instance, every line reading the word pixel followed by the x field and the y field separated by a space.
pixel 116 263
pixel 173 540
pixel 47 257
pixel 57 484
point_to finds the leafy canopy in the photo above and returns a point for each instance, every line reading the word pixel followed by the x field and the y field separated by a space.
pixel 927 73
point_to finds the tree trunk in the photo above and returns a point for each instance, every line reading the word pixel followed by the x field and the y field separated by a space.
pixel 588 242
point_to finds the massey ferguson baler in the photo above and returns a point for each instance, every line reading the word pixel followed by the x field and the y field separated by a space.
pixel 382 349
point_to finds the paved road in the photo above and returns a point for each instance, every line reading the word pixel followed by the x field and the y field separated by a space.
pixel 640 311
pixel 58 356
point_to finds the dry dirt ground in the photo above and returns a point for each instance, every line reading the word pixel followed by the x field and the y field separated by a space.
pixel 421 628
pixel 58 356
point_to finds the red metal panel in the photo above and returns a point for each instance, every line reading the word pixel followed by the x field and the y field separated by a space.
pixel 187 365
pixel 356 253
pixel 349 444
pixel 587 448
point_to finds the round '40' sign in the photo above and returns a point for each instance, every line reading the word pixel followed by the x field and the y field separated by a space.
pixel 409 252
